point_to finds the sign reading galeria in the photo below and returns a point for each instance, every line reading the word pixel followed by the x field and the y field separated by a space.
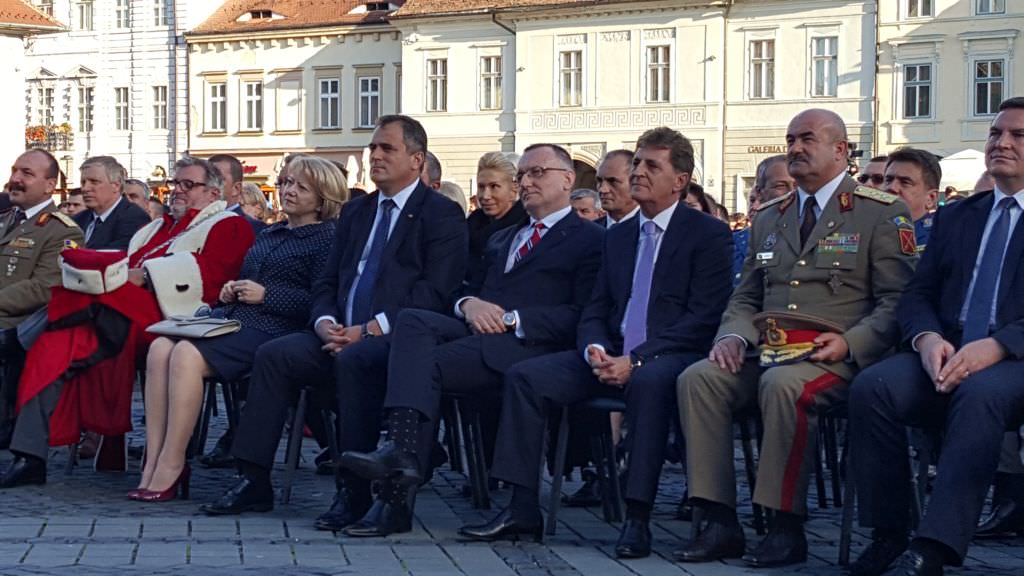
pixel 768 149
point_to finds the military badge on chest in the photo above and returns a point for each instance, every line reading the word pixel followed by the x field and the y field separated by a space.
pixel 836 245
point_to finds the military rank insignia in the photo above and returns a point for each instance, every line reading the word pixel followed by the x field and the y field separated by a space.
pixel 70 244
pixel 43 218
pixel 839 244
pixel 845 202
pixel 908 243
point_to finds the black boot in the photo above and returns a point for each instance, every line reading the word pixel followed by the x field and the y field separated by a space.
pixel 885 547
pixel 351 502
pixel 722 537
pixel 24 470
pixel 785 543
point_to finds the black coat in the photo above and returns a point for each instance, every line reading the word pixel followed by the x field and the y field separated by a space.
pixel 117 230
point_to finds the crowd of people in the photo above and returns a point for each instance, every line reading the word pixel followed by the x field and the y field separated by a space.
pixel 543 297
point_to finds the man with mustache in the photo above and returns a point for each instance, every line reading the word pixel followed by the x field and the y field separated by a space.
pixel 833 250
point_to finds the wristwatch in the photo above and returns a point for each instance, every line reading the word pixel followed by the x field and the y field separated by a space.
pixel 509 320
pixel 366 332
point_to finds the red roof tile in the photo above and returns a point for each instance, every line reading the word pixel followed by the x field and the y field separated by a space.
pixel 297 14
pixel 22 14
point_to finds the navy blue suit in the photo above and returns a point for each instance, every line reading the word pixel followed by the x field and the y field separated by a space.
pixel 548 288
pixel 689 291
pixel 422 265
pixel 117 230
pixel 897 392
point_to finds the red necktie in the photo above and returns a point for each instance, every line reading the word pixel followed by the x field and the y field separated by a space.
pixel 530 242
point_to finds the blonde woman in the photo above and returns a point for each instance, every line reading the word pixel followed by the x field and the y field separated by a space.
pixel 271 298
pixel 254 202
pixel 497 196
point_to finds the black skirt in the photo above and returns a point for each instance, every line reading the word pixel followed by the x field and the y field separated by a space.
pixel 231 356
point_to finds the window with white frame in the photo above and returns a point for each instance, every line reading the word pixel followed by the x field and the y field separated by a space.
pixel 159 12
pixel 45 6
pixel 570 78
pixel 121 108
pixel 85 15
pixel 659 73
pixel 490 82
pixel 252 96
pixel 824 57
pixel 988 86
pixel 917 91
pixel 369 101
pixel 160 107
pixel 218 107
pixel 991 6
pixel 44 101
pixel 85 107
pixel 437 84
pixel 919 8
pixel 122 14
pixel 329 116
pixel 762 69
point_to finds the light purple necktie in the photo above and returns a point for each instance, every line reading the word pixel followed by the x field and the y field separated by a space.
pixel 634 331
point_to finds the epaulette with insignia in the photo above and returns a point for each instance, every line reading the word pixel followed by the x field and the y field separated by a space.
pixel 775 201
pixel 63 218
pixel 876 195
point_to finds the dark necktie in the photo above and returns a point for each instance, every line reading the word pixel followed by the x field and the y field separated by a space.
pixel 532 241
pixel 979 309
pixel 634 331
pixel 362 300
pixel 19 216
pixel 809 219
pixel 94 226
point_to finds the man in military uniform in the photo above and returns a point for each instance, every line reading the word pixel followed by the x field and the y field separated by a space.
pixel 914 176
pixel 32 235
pixel 832 250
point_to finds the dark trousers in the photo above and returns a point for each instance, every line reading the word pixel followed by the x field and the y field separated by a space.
pixel 285 365
pixel 32 427
pixel 537 385
pixel 897 392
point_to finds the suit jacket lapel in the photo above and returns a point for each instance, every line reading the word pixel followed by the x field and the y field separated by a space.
pixel 670 241
pixel 361 226
pixel 788 225
pixel 552 238
pixel 1014 252
pixel 627 257
pixel 970 240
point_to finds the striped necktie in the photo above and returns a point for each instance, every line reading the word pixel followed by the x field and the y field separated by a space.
pixel 532 241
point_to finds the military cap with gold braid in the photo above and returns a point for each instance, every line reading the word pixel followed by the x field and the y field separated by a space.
pixel 788 337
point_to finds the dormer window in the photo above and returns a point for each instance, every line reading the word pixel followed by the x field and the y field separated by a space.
pixel 373 7
pixel 261 15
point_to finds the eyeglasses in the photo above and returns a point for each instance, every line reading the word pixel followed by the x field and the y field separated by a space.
pixel 185 184
pixel 536 172
pixel 874 178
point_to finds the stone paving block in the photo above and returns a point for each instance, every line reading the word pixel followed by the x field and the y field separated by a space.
pixel 117 528
pixel 12 553
pixel 376 559
pixel 320 555
pixel 213 554
pixel 96 554
pixel 590 560
pixel 161 553
pixel 423 559
pixel 163 528
pixel 49 554
pixel 258 554
pixel 476 559
pixel 303 531
pixel 67 530
pixel 261 527
pixel 213 527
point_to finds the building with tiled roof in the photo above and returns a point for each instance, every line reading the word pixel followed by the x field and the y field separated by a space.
pixel 271 77
pixel 20 16
pixel 435 8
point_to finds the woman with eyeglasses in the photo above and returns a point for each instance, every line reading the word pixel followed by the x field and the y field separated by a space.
pixel 270 298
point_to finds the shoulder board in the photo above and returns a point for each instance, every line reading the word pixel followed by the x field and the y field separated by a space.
pixel 775 201
pixel 876 195
pixel 64 218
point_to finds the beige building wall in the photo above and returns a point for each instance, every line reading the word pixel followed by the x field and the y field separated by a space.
pixel 971 63
pixel 806 36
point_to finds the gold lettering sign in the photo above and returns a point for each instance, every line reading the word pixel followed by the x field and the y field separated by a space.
pixel 770 149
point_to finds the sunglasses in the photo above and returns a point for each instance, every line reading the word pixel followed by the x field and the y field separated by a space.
pixel 874 178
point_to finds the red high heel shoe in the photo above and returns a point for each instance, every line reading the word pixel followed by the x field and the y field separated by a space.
pixel 172 491
pixel 136 493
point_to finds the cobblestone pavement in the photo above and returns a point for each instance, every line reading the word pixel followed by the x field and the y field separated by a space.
pixel 82 524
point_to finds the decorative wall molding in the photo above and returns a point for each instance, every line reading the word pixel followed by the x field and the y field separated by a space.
pixel 616 36
pixel 660 34
pixel 618 118
pixel 570 39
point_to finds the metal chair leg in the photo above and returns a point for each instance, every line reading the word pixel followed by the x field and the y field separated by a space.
pixel 819 473
pixel 477 459
pixel 558 473
pixel 294 445
pixel 614 488
pixel 846 531
pixel 72 459
pixel 750 467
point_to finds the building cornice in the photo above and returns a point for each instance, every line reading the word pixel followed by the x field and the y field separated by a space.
pixel 350 30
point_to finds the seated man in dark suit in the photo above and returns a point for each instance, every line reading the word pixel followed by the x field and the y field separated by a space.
pixel 663 283
pixel 403 246
pixel 962 314
pixel 109 220
pixel 540 274
pixel 231 170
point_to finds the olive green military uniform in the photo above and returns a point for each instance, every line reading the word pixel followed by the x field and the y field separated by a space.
pixel 851 272
pixel 29 267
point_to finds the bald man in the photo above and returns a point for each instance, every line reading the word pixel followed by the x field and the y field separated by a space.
pixel 815 304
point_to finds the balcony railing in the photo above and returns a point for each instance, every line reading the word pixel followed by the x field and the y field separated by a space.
pixel 50 137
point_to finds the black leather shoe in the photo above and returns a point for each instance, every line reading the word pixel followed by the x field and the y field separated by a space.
pixel 220 456
pixel 781 547
pixel 912 563
pixel 588 495
pixel 24 471
pixel 715 542
pixel 503 526
pixel 877 557
pixel 1007 518
pixel 388 461
pixel 245 496
pixel 347 508
pixel 382 519
pixel 634 540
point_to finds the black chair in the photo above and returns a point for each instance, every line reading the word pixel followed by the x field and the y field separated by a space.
pixel 603 457
pixel 295 438
pixel 232 410
pixel 464 434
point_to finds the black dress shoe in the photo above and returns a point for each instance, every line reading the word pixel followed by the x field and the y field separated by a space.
pixel 715 542
pixel 877 557
pixel 383 519
pixel 1007 518
pixel 504 525
pixel 346 510
pixel 245 496
pixel 24 471
pixel 781 547
pixel 388 461
pixel 912 563
pixel 588 495
pixel 634 540
pixel 220 456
